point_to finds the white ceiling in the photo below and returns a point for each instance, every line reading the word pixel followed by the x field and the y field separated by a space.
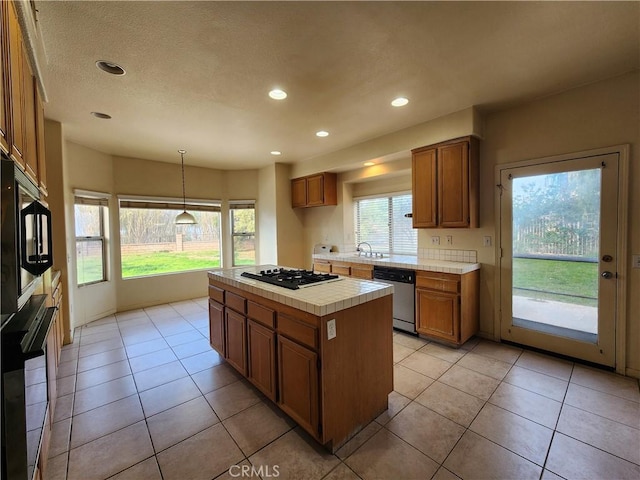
pixel 198 73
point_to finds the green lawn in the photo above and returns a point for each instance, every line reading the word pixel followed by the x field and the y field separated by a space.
pixel 140 264
pixel 555 277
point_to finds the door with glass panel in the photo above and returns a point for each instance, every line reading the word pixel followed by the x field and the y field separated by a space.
pixel 558 265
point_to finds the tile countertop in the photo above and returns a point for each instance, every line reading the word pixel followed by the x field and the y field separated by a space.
pixel 403 261
pixel 320 299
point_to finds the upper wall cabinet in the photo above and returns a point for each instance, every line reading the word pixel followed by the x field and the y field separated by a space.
pixel 314 190
pixel 445 184
pixel 22 110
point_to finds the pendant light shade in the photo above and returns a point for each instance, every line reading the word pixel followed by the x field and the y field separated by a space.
pixel 185 218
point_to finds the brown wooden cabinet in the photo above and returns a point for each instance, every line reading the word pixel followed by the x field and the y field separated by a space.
pixel 445 184
pixel 314 190
pixel 235 334
pixel 298 383
pixel 447 306
pixel 216 326
pixel 15 63
pixel 261 362
pixel 330 386
pixel 22 113
pixel 4 79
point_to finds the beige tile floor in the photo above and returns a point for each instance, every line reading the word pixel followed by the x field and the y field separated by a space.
pixel 143 396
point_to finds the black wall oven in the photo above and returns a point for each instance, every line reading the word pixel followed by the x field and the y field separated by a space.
pixel 25 322
pixel 26 238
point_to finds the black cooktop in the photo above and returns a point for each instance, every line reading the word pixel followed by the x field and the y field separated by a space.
pixel 291 279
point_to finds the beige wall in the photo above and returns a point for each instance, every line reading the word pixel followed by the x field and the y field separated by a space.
pixel 590 117
pixel 594 116
pixel 88 169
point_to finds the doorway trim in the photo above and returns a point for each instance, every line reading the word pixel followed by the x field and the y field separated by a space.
pixel 622 233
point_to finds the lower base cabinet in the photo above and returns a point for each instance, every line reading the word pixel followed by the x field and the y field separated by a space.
pixel 261 348
pixel 447 306
pixel 216 326
pixel 298 383
pixel 235 330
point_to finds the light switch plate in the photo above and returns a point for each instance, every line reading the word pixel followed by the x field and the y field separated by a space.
pixel 636 261
pixel 486 241
pixel 449 239
pixel 331 329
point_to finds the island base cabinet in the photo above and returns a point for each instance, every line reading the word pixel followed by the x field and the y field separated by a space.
pixel 298 384
pixel 261 370
pixel 236 334
pixel 216 326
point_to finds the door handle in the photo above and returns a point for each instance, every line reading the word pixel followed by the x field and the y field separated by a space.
pixel 606 274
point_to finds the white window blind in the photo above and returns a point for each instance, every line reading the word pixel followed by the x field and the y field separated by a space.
pixel 381 222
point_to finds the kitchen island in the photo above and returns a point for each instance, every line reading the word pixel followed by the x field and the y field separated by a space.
pixel 323 354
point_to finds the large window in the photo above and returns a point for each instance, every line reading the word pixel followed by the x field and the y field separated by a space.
pixel 243 233
pixel 381 221
pixel 151 243
pixel 90 215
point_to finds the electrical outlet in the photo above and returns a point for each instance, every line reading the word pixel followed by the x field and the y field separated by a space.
pixel 331 329
pixel 435 240
pixel 486 241
pixel 636 261
pixel 449 239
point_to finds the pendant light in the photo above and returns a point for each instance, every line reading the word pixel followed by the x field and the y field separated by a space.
pixel 184 218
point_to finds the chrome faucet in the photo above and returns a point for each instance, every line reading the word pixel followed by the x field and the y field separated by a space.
pixel 370 249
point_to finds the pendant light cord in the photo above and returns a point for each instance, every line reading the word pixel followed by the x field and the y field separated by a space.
pixel 184 195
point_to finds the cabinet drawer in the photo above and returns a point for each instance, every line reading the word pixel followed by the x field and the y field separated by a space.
pixel 341 269
pixel 322 267
pixel 438 283
pixel 216 294
pixel 236 302
pixel 298 330
pixel 365 272
pixel 260 314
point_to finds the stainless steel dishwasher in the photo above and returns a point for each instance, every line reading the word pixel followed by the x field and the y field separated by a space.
pixel 404 290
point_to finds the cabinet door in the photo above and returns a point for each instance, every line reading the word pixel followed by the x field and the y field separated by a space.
pixel 299 192
pixel 453 185
pixel 4 77
pixel 261 348
pixel 30 153
pixel 16 84
pixel 52 366
pixel 298 384
pixel 315 190
pixel 438 314
pixel 42 164
pixel 216 326
pixel 423 173
pixel 235 330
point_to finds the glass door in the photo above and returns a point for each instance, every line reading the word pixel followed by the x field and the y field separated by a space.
pixel 558 264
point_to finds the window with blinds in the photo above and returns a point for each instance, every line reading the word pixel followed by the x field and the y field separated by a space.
pixel 90 216
pixel 243 232
pixel 151 243
pixel 381 222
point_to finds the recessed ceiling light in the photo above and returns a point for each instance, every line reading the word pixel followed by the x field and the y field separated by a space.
pixel 276 152
pixel 322 133
pixel 110 67
pixel 278 94
pixel 104 116
pixel 369 164
pixel 399 102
